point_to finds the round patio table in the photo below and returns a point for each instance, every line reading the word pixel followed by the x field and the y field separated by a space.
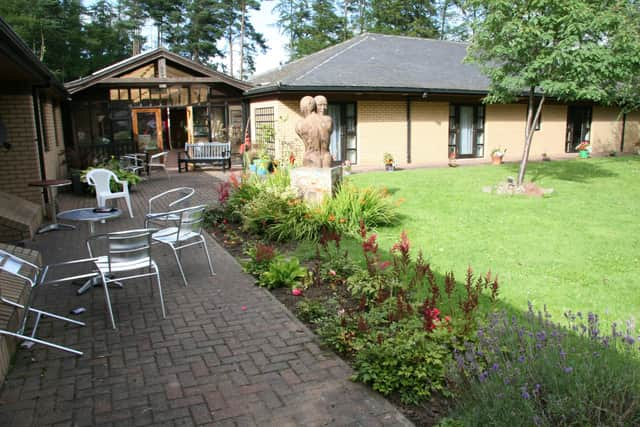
pixel 90 215
pixel 48 184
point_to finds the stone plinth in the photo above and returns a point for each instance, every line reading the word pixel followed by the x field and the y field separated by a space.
pixel 313 184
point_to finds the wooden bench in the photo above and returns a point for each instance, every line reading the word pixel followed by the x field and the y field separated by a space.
pixel 216 153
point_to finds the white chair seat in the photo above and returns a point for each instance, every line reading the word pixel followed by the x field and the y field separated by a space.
pixel 102 263
pixel 168 235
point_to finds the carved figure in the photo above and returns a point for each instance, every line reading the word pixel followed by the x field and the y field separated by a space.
pixel 326 127
pixel 315 131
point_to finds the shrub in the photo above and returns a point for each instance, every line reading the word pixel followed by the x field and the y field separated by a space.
pixel 260 257
pixel 410 363
pixel 351 205
pixel 282 272
pixel 534 372
pixel 309 310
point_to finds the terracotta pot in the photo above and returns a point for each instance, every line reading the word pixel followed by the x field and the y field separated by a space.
pixel 496 160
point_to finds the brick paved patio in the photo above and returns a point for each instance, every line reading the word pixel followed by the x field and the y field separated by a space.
pixel 228 352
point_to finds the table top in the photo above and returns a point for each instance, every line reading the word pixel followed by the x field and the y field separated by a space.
pixel 49 183
pixel 88 214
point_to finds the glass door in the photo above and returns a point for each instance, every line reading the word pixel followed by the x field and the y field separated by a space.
pixel 578 127
pixel 343 143
pixel 147 129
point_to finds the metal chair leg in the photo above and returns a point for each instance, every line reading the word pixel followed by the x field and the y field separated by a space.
pixel 184 278
pixel 206 251
pixel 164 312
pixel 106 294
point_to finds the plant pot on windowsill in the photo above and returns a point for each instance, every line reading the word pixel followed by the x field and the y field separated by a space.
pixel 584 154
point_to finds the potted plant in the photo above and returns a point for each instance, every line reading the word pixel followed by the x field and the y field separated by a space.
pixel 497 154
pixel 388 162
pixel 347 167
pixel 452 158
pixel 584 149
pixel 545 157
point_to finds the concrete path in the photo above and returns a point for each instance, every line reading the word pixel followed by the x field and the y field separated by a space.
pixel 228 352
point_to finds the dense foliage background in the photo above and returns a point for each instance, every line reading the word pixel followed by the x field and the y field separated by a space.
pixel 74 37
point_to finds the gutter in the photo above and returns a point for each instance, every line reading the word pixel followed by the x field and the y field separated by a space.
pixel 371 89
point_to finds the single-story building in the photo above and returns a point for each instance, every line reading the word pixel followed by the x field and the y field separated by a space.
pixel 31 130
pixel 416 99
pixel 156 100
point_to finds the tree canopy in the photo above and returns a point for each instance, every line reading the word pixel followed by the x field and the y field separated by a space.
pixel 573 50
pixel 73 40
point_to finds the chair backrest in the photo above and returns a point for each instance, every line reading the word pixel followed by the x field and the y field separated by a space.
pixel 158 201
pixel 190 225
pixel 131 247
pixel 100 178
pixel 158 158
pixel 18 267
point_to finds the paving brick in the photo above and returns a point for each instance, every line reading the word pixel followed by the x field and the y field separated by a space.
pixel 208 363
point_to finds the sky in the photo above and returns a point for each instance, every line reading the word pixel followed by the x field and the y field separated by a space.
pixel 264 22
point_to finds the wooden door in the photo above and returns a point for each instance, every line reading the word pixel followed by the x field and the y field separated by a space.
pixel 147 129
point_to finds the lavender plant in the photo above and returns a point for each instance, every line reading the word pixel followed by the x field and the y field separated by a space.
pixel 537 372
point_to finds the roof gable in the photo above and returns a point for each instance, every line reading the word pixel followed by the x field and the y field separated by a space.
pixel 380 62
pixel 154 65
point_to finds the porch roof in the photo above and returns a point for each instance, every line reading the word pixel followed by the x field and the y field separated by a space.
pixel 110 74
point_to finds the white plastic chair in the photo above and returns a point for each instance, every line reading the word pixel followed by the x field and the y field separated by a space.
pixel 158 161
pixel 100 178
pixel 158 214
pixel 34 276
pixel 128 251
pixel 187 233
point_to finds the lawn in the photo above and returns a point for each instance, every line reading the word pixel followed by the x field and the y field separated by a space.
pixel 576 250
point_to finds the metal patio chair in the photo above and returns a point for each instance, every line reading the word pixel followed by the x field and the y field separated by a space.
pixel 157 214
pixel 158 160
pixel 128 251
pixel 187 232
pixel 34 276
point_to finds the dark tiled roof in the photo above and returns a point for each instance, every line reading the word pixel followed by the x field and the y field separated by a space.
pixel 380 62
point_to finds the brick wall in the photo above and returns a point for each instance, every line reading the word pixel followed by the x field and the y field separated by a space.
pixel 19 165
pixel 382 128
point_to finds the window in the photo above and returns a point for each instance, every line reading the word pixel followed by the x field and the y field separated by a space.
pixel 200 122
pixel 343 144
pixel 466 130
pixel 265 129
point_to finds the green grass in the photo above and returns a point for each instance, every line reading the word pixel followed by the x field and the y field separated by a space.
pixel 576 250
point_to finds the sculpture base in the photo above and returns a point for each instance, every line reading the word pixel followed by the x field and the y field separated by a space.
pixel 314 184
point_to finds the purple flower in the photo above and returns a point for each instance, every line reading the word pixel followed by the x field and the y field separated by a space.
pixel 629 340
pixel 568 369
pixel 563 353
pixel 495 367
pixel 521 359
pixel 525 395
pixel 483 376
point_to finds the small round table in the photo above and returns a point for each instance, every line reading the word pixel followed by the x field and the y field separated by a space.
pixel 91 216
pixel 48 184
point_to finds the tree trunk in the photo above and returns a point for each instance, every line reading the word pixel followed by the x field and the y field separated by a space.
pixel 242 17
pixel 443 18
pixel 42 46
pixel 528 133
pixel 230 41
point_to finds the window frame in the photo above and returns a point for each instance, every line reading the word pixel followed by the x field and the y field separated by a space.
pixel 479 111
